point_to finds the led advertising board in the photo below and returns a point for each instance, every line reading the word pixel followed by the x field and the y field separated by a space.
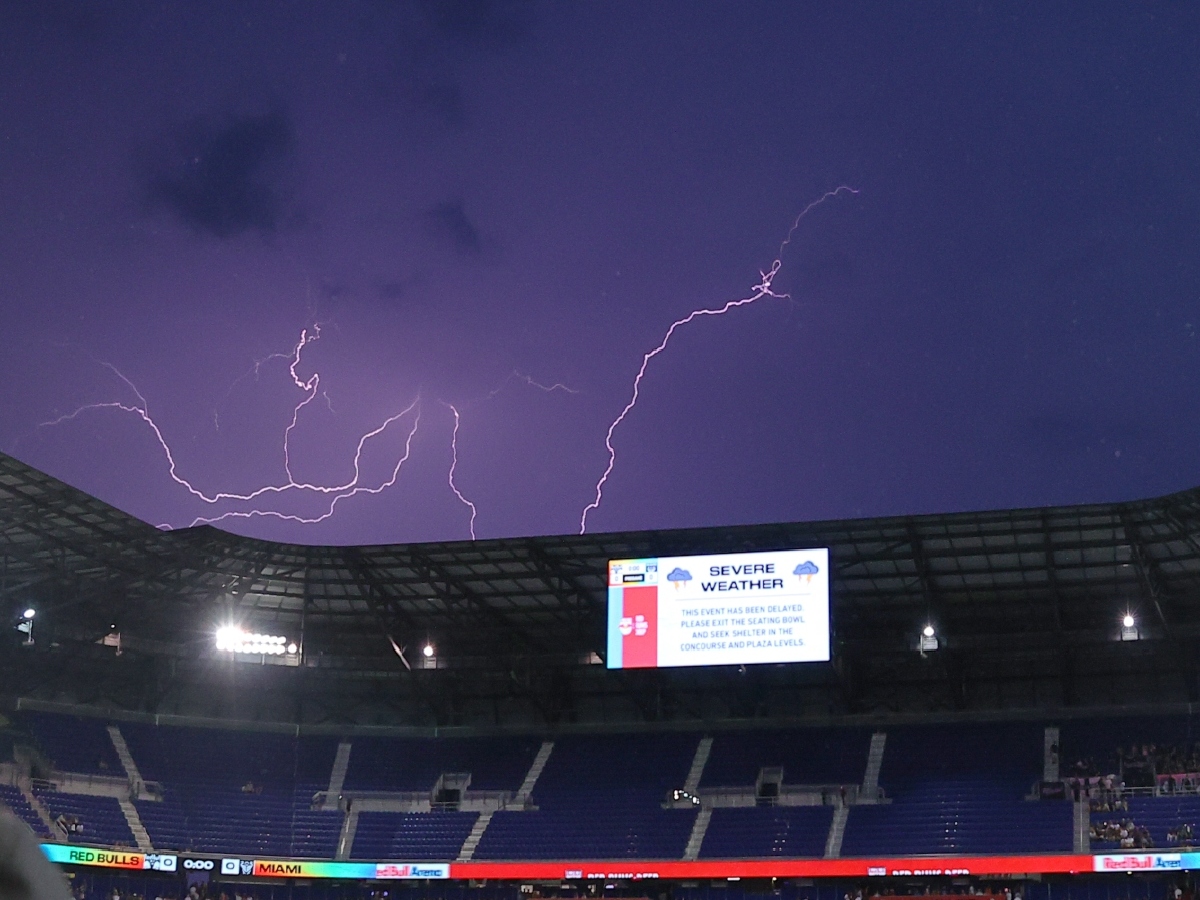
pixel 727 609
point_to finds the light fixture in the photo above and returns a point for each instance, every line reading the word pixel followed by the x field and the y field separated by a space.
pixel 232 639
pixel 1129 627
pixel 427 651
pixel 292 648
pixel 25 626
pixel 928 640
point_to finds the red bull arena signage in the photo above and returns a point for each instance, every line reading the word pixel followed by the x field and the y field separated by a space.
pixel 571 870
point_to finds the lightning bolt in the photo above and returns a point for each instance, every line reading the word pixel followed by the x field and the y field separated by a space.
pixel 514 375
pixel 311 388
pixel 758 292
pixel 354 490
pixel 454 465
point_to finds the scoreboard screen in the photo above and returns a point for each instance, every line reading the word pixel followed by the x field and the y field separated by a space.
pixel 728 609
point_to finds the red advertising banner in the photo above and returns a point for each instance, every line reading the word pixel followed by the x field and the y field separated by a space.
pixel 776 868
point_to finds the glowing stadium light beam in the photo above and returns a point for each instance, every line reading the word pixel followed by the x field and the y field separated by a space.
pixel 311 387
pixel 454 465
pixel 758 292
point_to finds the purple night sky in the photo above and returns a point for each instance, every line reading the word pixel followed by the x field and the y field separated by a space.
pixel 476 198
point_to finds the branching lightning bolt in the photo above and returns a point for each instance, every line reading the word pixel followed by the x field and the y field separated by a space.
pixel 514 375
pixel 759 291
pixel 311 388
pixel 454 465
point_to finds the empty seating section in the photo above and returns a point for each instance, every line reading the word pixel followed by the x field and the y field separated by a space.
pixel 414 764
pixel 13 798
pixel 227 791
pixel 951 788
pixel 745 832
pixel 960 789
pixel 417 836
pixel 100 818
pixel 74 743
pixel 601 797
pixel 808 756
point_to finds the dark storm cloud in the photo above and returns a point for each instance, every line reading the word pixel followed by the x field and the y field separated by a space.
pixel 61 22
pixel 435 95
pixel 487 23
pixel 392 290
pixel 832 269
pixel 448 222
pixel 1067 433
pixel 229 178
pixel 443 100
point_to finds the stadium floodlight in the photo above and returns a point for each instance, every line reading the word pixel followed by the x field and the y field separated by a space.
pixel 1129 629
pixel 232 639
pixel 428 651
pixel 292 648
pixel 25 626
pixel 928 640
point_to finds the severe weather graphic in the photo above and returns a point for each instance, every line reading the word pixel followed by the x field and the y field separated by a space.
pixel 731 609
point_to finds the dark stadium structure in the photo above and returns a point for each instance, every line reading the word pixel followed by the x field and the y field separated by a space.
pixel 1027 605
pixel 1046 731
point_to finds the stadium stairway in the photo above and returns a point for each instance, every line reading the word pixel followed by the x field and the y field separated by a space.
pixel 837 831
pixel 535 771
pixel 1083 831
pixel 134 821
pixel 337 775
pixel 125 757
pixel 703 750
pixel 699 830
pixel 870 782
pixel 520 801
pixel 347 834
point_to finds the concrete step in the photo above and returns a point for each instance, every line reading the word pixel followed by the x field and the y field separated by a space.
pixel 346 835
pixel 140 834
pixel 337 775
pixel 476 835
pixel 699 761
pixel 870 785
pixel 123 754
pixel 699 829
pixel 535 770
pixel 837 831
pixel 42 812
pixel 1050 754
pixel 1083 826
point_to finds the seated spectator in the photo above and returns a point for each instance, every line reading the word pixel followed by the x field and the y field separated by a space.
pixel 1124 833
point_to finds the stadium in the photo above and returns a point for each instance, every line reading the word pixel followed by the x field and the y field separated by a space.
pixel 1007 709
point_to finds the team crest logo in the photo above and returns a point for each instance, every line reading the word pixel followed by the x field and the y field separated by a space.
pixel 637 625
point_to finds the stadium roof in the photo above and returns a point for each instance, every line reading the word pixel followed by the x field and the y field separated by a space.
pixel 1027 606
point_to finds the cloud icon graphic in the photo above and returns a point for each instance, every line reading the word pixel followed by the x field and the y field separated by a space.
pixel 806 569
pixel 679 577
